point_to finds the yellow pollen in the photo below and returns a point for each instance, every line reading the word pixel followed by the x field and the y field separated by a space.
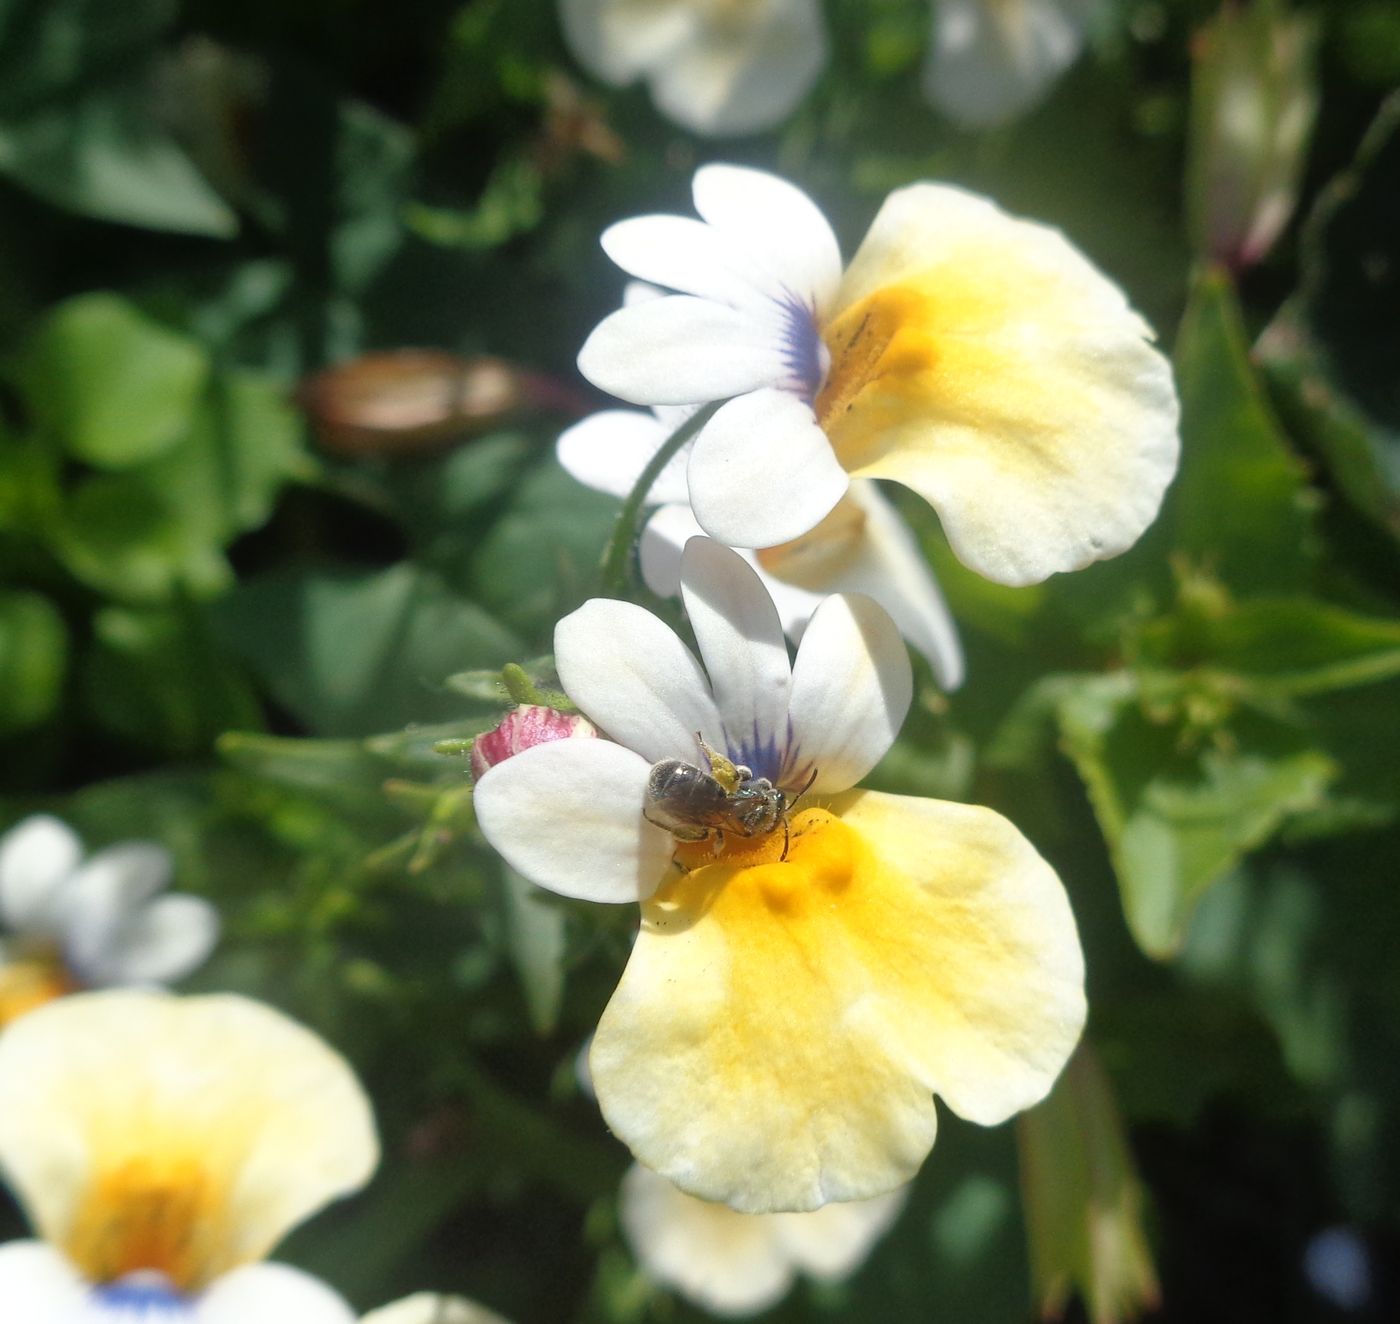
pixel 160 1216
pixel 29 983
pixel 814 559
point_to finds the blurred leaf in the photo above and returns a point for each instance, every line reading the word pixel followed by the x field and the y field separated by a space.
pixel 534 928
pixel 308 765
pixel 1279 646
pixel 1351 272
pixel 1084 1200
pixel 33 659
pixel 157 679
pixel 1179 807
pixel 113 387
pixel 1239 504
pixel 359 653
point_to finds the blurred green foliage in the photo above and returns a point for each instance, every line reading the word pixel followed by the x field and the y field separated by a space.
pixel 217 632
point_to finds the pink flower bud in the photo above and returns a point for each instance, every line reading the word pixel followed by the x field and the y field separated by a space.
pixel 530 724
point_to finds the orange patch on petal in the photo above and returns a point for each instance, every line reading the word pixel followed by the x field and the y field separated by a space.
pixel 30 983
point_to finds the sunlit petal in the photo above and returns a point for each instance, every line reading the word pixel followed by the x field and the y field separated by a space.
pixel 851 689
pixel 37 856
pixel 430 1308
pixel 831 1242
pixel 38 1286
pixel 271 1294
pixel 762 471
pixel 607 451
pixel 634 679
pixel 568 816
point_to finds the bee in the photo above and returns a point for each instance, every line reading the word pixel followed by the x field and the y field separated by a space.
pixel 691 803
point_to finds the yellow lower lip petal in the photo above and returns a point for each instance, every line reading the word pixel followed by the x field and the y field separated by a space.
pixel 781 1024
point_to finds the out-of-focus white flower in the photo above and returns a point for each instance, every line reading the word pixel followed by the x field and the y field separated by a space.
pixel 161 1147
pixel 977 359
pixel 738 1264
pixel 989 60
pixel 73 923
pixel 861 547
pixel 800 986
pixel 713 66
pixel 430 1308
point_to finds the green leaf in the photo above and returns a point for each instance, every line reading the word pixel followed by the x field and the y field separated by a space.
pixel 1084 1201
pixel 534 928
pixel 33 659
pixel 113 387
pixel 1280 646
pixel 157 679
pixel 356 654
pixel 1240 504
pixel 1180 808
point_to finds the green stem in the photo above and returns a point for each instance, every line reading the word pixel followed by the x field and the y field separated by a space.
pixel 617 559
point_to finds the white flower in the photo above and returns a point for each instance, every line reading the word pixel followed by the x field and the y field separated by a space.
pixel 977 359
pixel 161 1147
pixel 713 66
pixel 794 996
pixel 430 1308
pixel 861 547
pixel 75 923
pixel 738 1264
pixel 989 60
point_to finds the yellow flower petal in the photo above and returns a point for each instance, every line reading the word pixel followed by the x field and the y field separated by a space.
pixel 983 362
pixel 29 983
pixel 145 1132
pixel 781 1024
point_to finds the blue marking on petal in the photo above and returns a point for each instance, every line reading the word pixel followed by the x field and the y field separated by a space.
pixel 141 1298
pixel 803 351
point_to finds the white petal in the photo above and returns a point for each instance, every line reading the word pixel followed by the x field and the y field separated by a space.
pixel 568 816
pixel 687 256
pixel 430 1308
pixel 889 567
pixel 663 540
pixel 987 63
pixel 103 894
pixel 851 688
pixel 634 679
pixel 831 1242
pixel 762 471
pixel 607 451
pixel 745 654
pixel 729 1263
pixel 271 1294
pixel 618 42
pixel 681 350
pixel 38 1286
pixel 159 944
pixel 36 856
pixel 777 224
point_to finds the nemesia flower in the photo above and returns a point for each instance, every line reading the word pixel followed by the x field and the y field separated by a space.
pixel 738 1264
pixel 989 60
pixel 70 923
pixel 713 66
pixel 861 547
pixel 527 725
pixel 978 359
pixel 793 998
pixel 161 1147
pixel 430 1308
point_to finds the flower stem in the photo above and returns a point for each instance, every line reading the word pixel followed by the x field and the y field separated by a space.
pixel 617 559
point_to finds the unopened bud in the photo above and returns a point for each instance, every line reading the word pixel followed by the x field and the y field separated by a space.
pixel 524 727
pixel 1253 103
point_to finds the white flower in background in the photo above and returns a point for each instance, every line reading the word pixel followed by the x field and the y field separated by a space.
pixel 738 1264
pixel 861 547
pixel 989 60
pixel 161 1147
pixel 978 359
pixel 795 997
pixel 68 923
pixel 713 66
pixel 430 1308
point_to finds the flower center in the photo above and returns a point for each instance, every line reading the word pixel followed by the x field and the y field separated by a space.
pixel 36 978
pixel 817 557
pixel 147 1218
